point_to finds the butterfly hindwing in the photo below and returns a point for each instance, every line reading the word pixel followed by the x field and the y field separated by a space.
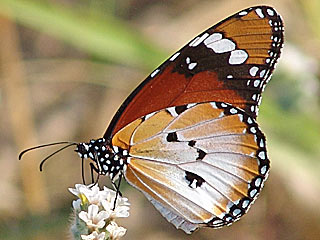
pixel 203 164
pixel 230 62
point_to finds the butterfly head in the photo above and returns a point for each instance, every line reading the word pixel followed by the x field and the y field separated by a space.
pixel 108 160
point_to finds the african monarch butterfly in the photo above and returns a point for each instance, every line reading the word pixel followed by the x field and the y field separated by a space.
pixel 187 137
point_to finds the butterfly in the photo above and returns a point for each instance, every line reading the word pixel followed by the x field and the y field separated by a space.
pixel 187 136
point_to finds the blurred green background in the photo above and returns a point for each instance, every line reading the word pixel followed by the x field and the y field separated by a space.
pixel 66 66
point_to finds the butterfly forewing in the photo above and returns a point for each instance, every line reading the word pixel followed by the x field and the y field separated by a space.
pixel 204 170
pixel 230 62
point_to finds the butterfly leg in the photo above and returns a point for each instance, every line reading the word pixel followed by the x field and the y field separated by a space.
pixel 117 191
pixel 82 171
pixel 93 168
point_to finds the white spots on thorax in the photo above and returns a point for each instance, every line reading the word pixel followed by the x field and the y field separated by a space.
pixel 115 149
pixel 259 12
pixel 188 60
pixel 86 146
pixel 174 56
pixel 105 167
pixel 229 76
pixel 238 57
pixel 253 71
pixel 155 72
pixel 121 161
pixel 198 40
pixel 91 155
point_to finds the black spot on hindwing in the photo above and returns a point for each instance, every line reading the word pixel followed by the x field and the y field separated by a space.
pixel 201 153
pixel 172 137
pixel 193 178
pixel 191 143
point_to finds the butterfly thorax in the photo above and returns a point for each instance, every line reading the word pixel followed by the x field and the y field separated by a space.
pixel 109 160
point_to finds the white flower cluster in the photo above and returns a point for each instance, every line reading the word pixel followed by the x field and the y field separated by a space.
pixel 95 213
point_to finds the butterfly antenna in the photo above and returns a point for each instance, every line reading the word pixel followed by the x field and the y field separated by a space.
pixel 59 150
pixel 41 146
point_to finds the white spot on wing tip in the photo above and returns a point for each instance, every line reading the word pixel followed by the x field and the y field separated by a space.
pixel 270 12
pixel 259 12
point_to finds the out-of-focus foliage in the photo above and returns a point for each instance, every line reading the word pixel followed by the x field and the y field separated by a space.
pixel 66 66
